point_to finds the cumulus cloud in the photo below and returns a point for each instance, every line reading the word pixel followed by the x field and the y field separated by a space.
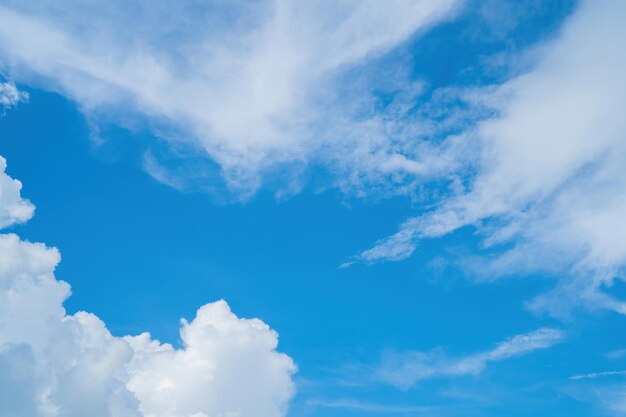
pixel 55 364
pixel 547 190
pixel 405 369
pixel 254 85
pixel 13 208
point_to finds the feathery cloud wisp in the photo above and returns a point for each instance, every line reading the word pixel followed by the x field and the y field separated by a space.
pixel 404 370
pixel 549 179
pixel 254 85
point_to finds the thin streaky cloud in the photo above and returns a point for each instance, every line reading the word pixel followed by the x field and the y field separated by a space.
pixel 595 375
pixel 368 407
pixel 405 369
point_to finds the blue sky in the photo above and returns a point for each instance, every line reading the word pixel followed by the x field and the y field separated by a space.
pixel 424 200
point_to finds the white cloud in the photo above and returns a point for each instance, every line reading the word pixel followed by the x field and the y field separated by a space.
pixel 228 365
pixel 13 208
pixel 55 364
pixel 10 96
pixel 595 375
pixel 253 84
pixel 404 370
pixel 368 407
pixel 549 179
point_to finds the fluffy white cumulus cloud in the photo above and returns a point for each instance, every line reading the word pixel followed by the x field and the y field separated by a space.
pixel 55 364
pixel 229 366
pixel 254 85
pixel 548 189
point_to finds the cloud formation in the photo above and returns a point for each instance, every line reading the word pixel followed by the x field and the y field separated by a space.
pixel 254 85
pixel 595 375
pixel 268 88
pixel 13 208
pixel 55 364
pixel 10 96
pixel 547 190
pixel 404 370
pixel 368 407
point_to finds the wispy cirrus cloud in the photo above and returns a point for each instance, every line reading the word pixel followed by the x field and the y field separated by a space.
pixel 369 407
pixel 405 369
pixel 605 389
pixel 252 85
pixel 595 375
pixel 545 191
